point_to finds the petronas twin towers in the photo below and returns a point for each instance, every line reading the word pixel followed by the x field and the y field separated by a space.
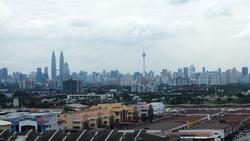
pixel 63 68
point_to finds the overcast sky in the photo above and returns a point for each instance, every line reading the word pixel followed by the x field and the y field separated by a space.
pixel 109 34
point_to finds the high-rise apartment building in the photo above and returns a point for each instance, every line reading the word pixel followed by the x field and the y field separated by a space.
pixel 72 86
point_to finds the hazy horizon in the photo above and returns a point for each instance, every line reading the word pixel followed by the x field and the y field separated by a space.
pixel 96 35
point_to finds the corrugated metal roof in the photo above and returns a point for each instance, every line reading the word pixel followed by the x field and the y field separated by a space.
pixel 4 123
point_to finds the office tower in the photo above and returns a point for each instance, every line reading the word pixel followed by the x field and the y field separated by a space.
pixel 185 72
pixel 66 71
pixel 192 72
pixel 165 77
pixel 61 67
pixel 244 71
pixel 192 69
pixel 39 75
pixel 236 76
pixel 53 66
pixel 164 72
pixel 83 76
pixel 203 70
pixel 46 74
pixel 114 75
pixel 151 74
pixel 4 74
pixel 245 77
pixel 137 75
pixel 228 76
pixel 219 70
pixel 1 74
pixel 144 56
pixel 220 76
pixel 179 73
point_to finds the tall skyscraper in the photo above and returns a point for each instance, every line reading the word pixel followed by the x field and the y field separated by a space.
pixel 203 70
pixel 192 74
pixel 46 74
pixel 219 70
pixel 185 72
pixel 39 75
pixel 244 71
pixel 1 75
pixel 61 67
pixel 66 71
pixel 245 76
pixel 180 73
pixel 53 66
pixel 144 56
pixel 5 74
pixel 192 69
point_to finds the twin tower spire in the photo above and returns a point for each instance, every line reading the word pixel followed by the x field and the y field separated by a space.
pixel 63 68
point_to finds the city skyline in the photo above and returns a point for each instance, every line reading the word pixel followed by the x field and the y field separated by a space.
pixel 143 81
pixel 58 68
pixel 109 35
pixel 61 68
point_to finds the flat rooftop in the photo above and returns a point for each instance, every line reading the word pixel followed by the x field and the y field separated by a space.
pixel 159 125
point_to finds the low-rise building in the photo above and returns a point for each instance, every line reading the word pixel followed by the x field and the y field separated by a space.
pixel 142 108
pixel 121 112
pixel 158 107
pixel 93 118
pixel 22 121
pixel 90 96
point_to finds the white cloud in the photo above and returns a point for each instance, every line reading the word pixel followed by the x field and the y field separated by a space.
pixel 180 1
pixel 182 26
pixel 108 34
pixel 244 33
pixel 217 9
pixel 5 12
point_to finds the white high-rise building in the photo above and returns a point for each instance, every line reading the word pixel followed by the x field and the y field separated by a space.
pixel 192 74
